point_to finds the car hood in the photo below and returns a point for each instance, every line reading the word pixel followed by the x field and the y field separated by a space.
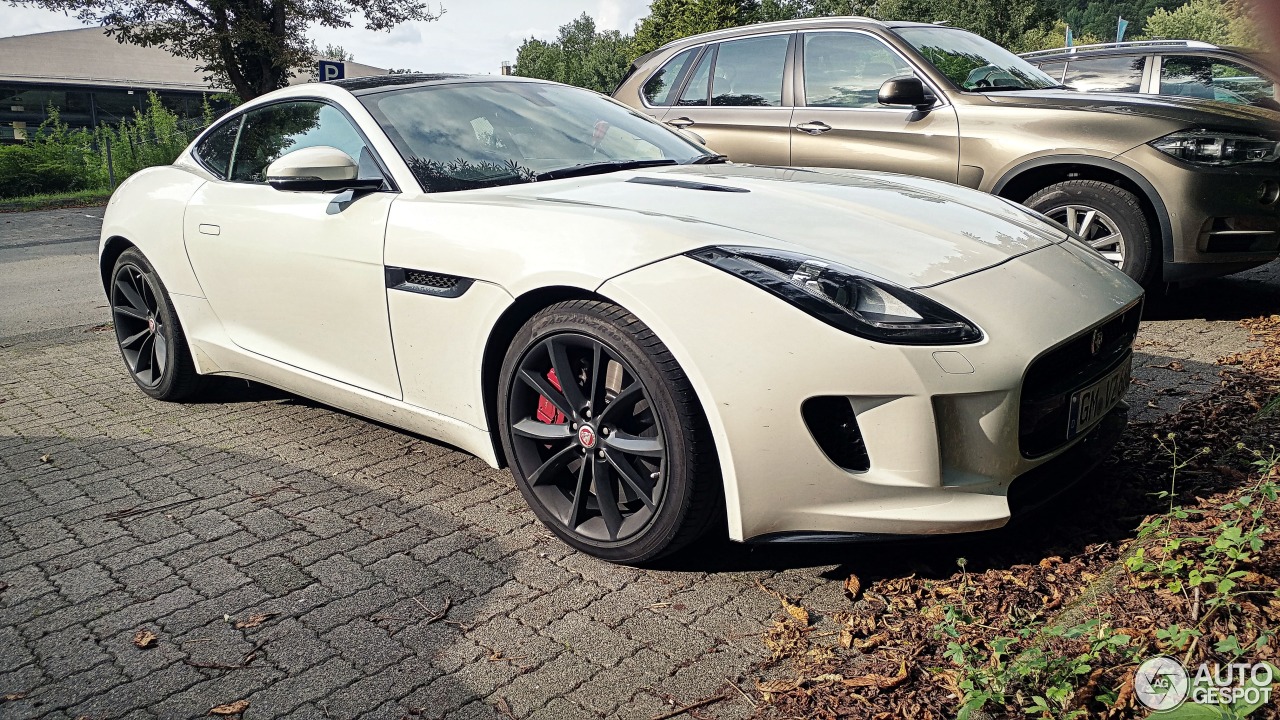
pixel 910 231
pixel 1191 112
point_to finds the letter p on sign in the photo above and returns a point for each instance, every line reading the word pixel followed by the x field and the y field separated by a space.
pixel 331 70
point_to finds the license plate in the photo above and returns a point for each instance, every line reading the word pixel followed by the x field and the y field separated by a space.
pixel 1089 405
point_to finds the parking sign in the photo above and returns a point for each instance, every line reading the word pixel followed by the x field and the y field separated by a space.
pixel 332 70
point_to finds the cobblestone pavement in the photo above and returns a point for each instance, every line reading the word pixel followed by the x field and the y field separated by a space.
pixel 397 577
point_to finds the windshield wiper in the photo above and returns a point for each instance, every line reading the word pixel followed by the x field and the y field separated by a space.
pixel 598 168
pixel 714 159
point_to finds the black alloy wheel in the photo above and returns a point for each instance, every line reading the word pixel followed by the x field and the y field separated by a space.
pixel 139 327
pixel 606 445
pixel 147 330
pixel 597 463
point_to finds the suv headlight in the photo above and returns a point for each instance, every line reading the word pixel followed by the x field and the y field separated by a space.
pixel 844 298
pixel 1207 147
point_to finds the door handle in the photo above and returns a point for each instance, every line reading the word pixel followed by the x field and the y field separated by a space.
pixel 817 127
pixel 680 123
pixel 208 229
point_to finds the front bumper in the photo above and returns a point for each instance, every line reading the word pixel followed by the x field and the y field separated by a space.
pixel 1222 220
pixel 940 424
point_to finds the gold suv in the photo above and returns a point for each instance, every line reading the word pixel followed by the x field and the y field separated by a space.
pixel 1167 188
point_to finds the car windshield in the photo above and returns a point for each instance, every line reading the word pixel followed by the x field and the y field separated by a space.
pixel 470 135
pixel 973 63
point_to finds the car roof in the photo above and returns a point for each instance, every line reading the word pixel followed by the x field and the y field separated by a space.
pixel 1138 47
pixel 377 83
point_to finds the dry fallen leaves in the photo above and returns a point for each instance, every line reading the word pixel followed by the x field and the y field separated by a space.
pixel 234 708
pixel 46 458
pixel 852 587
pixel 145 639
pixel 10 697
pixel 254 621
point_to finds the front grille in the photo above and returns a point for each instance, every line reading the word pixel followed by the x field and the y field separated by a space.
pixel 426 279
pixel 834 427
pixel 1054 376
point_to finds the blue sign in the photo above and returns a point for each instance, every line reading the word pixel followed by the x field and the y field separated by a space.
pixel 1121 26
pixel 332 70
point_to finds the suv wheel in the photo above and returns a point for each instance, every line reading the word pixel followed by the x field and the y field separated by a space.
pixel 1108 218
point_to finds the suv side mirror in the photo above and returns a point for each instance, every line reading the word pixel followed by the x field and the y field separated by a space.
pixel 906 90
pixel 318 169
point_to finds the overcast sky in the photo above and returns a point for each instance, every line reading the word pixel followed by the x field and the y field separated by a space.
pixel 471 36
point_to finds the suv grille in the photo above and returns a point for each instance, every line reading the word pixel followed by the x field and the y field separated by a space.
pixel 1054 376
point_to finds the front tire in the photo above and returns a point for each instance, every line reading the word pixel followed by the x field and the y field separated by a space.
pixel 150 337
pixel 1109 218
pixel 604 435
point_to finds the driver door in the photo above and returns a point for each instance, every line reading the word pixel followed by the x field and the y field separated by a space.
pixel 296 277
pixel 840 123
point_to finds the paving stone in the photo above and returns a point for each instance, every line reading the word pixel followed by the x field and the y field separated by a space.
pixel 278 575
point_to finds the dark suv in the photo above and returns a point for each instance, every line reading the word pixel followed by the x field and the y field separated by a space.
pixel 1167 188
pixel 1178 68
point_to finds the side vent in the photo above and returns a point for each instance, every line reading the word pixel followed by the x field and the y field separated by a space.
pixel 834 427
pixel 426 283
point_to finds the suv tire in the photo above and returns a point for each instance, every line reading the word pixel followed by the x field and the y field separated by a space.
pixel 1098 212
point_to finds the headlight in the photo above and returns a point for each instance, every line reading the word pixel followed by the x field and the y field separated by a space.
pixel 1206 147
pixel 844 298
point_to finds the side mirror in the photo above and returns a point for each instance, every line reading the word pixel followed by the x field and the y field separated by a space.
pixel 318 169
pixel 906 90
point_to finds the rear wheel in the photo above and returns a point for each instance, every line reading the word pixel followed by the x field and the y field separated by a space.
pixel 148 332
pixel 1109 218
pixel 604 434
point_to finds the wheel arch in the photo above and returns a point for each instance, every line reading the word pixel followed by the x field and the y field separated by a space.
pixel 1026 178
pixel 112 249
pixel 503 332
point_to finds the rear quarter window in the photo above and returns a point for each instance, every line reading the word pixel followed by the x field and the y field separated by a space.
pixel 658 89
pixel 1106 74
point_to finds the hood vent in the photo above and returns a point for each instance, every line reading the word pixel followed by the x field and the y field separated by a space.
pixel 686 184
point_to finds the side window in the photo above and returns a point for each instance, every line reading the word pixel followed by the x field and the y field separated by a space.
pixel 1215 79
pixel 749 72
pixel 695 92
pixel 846 70
pixel 215 149
pixel 1054 69
pixel 274 130
pixel 1105 74
pixel 657 91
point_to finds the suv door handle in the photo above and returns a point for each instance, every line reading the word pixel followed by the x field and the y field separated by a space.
pixel 817 127
pixel 680 123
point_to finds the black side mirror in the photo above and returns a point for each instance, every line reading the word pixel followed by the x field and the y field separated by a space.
pixel 906 90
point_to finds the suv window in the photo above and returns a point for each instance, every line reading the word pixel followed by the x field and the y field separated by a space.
pixel 1053 69
pixel 274 130
pixel 749 72
pixel 1215 79
pixel 657 91
pixel 1106 74
pixel 695 93
pixel 846 70
pixel 215 149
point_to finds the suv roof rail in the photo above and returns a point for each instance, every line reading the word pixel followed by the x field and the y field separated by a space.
pixel 776 24
pixel 1128 44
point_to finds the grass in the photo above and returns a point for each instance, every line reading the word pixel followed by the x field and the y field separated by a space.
pixel 53 201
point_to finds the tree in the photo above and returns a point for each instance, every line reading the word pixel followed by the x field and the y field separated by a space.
pixel 1004 22
pixel 580 55
pixel 1221 23
pixel 674 19
pixel 253 46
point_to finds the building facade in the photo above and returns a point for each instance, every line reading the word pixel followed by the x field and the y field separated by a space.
pixel 91 79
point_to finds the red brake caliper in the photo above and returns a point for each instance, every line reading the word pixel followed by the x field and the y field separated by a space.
pixel 547 412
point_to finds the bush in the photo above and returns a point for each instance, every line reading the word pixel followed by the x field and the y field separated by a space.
pixel 58 159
